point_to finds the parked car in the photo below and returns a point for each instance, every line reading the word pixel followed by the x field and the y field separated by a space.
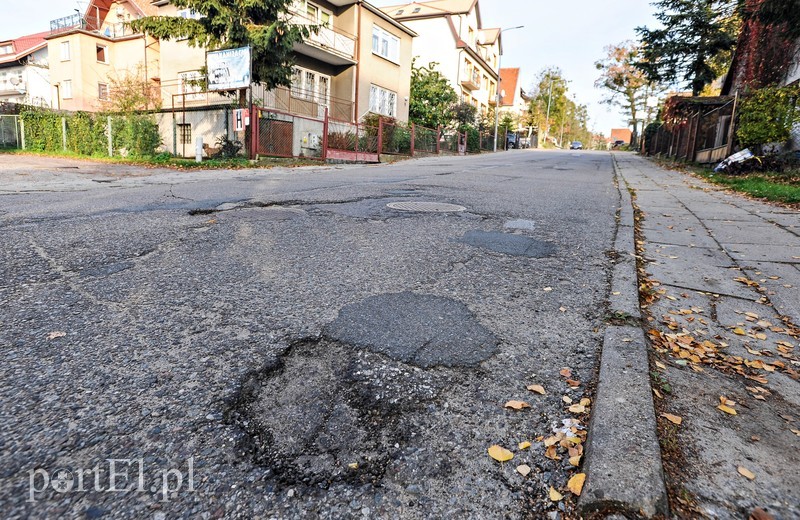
pixel 576 145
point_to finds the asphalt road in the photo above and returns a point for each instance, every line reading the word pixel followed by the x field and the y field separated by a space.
pixel 282 343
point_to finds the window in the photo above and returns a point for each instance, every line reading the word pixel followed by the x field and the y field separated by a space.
pixel 65 51
pixel 485 82
pixel 385 44
pixel 190 86
pixel 102 91
pixel 185 133
pixel 66 89
pixel 6 49
pixel 382 101
pixel 314 13
pixel 311 86
pixel 102 53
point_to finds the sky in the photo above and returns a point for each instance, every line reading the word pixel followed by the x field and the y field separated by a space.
pixel 570 34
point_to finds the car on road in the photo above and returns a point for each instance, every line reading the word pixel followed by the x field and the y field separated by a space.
pixel 576 145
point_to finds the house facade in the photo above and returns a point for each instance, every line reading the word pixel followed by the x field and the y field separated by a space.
pixel 89 52
pixel 358 62
pixel 24 72
pixel 451 33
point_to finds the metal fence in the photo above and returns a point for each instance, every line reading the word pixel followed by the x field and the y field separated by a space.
pixel 9 131
pixel 426 140
pixel 352 141
pixel 278 134
pixel 453 143
pixel 180 128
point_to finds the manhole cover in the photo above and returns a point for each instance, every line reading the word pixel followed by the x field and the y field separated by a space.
pixel 431 207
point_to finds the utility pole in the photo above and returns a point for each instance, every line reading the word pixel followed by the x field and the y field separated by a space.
pixel 547 119
pixel 499 80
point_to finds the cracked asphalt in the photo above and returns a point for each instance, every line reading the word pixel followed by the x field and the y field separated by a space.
pixel 280 343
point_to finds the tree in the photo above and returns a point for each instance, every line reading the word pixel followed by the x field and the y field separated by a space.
pixel 627 85
pixel 261 24
pixel 548 106
pixel 464 115
pixel 432 97
pixel 694 33
pixel 132 92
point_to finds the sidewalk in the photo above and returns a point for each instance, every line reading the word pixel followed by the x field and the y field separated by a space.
pixel 726 286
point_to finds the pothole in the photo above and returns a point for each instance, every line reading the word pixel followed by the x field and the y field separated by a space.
pixel 430 207
pixel 269 212
pixel 326 412
pixel 420 329
pixel 509 244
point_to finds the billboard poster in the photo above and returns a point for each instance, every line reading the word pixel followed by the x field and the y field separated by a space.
pixel 228 69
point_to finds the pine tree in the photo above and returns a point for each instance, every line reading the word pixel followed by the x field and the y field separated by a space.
pixel 261 24
pixel 694 33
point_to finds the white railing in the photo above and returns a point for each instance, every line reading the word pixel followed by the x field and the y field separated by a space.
pixel 327 38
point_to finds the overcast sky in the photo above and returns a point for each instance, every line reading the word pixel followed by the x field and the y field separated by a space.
pixel 570 34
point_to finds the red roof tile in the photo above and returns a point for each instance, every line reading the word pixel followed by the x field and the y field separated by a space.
pixel 509 80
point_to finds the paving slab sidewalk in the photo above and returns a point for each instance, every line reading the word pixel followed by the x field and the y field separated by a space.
pixel 726 273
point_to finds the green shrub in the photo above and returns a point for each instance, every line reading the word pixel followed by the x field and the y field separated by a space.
pixel 767 116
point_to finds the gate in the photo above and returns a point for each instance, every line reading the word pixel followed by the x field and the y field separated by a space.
pixel 275 137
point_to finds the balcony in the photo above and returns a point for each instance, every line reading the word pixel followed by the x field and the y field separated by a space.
pixel 328 45
pixel 472 81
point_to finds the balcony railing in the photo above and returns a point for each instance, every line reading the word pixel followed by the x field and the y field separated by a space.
pixel 472 81
pixel 329 39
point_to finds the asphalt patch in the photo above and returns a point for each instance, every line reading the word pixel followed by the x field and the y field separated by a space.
pixel 420 329
pixel 509 244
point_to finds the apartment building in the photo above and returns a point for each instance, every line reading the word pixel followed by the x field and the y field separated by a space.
pixel 89 51
pixel 24 73
pixel 451 33
pixel 358 62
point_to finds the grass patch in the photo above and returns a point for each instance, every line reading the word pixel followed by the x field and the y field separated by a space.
pixel 178 163
pixel 783 187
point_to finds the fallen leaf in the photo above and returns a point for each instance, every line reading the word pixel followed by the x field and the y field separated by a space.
pixel 674 419
pixel 796 432
pixel 746 472
pixel 555 496
pixel 575 461
pixel 517 405
pixel 562 309
pixel 524 445
pixel 354 465
pixel 523 470
pixel 760 514
pixel 500 454
pixel 552 453
pixel 567 399
pixel 740 331
pixel 539 389
pixel 577 408
pixel 566 372
pixel 661 365
pixel 658 394
pixel 586 401
pixel 727 409
pixel 575 484
pixel 573 383
pixel 548 289
pixel 56 334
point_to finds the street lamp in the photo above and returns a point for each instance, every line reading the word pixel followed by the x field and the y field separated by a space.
pixel 499 80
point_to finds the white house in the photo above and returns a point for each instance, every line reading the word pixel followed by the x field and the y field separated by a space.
pixel 24 71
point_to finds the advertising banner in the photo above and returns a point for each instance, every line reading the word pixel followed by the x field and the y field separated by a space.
pixel 228 69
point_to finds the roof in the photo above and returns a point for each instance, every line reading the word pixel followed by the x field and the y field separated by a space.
pixel 490 36
pixel 23 46
pixel 509 79
pixel 430 8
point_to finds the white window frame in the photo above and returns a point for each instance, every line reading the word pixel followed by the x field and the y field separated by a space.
pixel 66 89
pixel 190 14
pixel 382 101
pixel 385 44
pixel 191 92
pixel 308 85
pixel 105 53
pixel 99 91
pixel 6 49
pixel 302 8
pixel 66 51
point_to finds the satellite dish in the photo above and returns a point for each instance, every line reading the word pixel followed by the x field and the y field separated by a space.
pixel 502 93
pixel 15 81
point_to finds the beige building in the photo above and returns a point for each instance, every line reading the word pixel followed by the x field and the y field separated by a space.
pixel 89 52
pixel 451 33
pixel 358 62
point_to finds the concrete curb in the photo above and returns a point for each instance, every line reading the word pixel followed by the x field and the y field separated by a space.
pixel 623 458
